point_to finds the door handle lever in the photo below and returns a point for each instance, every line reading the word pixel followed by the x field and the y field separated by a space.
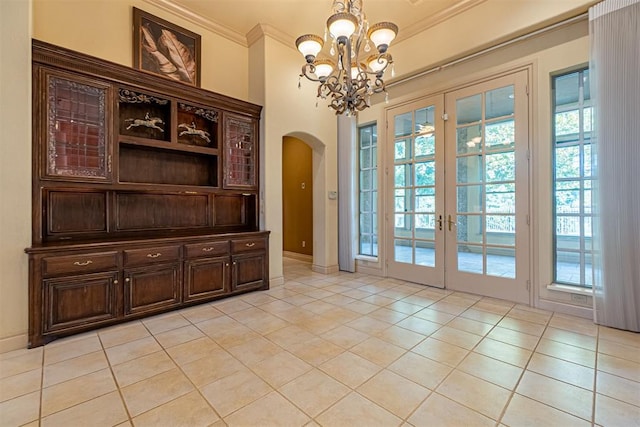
pixel 450 222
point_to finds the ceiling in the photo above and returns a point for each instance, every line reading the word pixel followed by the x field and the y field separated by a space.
pixel 236 18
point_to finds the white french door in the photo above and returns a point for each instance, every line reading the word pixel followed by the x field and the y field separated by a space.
pixel 416 179
pixel 458 210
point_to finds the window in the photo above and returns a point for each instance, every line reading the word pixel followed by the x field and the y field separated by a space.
pixel 573 168
pixel 368 190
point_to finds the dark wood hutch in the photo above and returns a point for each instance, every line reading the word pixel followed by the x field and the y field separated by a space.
pixel 145 195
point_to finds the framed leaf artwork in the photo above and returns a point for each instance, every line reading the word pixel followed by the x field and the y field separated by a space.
pixel 163 48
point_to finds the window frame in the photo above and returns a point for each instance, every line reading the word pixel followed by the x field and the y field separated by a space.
pixel 581 105
pixel 372 169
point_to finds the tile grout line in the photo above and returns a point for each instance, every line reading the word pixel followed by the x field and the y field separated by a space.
pixel 115 380
pixel 524 370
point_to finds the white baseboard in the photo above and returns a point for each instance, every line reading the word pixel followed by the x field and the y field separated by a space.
pixel 559 307
pixel 373 271
pixel 276 281
pixel 16 342
pixel 330 269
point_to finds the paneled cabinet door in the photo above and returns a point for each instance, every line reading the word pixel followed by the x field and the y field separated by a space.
pixel 77 117
pixel 240 152
pixel 249 271
pixel 206 278
pixel 151 288
pixel 76 301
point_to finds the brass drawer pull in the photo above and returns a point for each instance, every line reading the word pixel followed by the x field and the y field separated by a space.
pixel 209 249
pixel 83 263
pixel 156 255
pixel 250 245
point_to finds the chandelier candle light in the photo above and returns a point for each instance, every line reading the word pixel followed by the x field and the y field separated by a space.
pixel 344 78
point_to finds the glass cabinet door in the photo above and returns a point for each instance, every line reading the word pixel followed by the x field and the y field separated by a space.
pixel 77 128
pixel 240 156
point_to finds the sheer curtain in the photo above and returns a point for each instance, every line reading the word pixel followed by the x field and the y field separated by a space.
pixel 614 28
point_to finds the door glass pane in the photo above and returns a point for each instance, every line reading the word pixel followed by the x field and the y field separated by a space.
pixel 501 230
pixel 404 225
pixel 403 149
pixel 469 228
pixel 499 102
pixel 403 251
pixel 470 169
pixel 403 200
pixel 469 198
pixel 402 175
pixel 501 167
pixel 425 173
pixel 425 226
pixel 501 262
pixel 403 125
pixel 470 258
pixel 501 198
pixel 425 199
pixel 426 254
pixel 469 110
pixel 500 134
pixel 425 120
pixel 425 145
pixel 469 139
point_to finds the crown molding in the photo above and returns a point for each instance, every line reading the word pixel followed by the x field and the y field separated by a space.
pixel 265 29
pixel 437 18
pixel 261 30
pixel 193 17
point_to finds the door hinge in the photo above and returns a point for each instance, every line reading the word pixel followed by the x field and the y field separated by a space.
pixel 526 88
pixel 528 154
pixel 445 117
pixel 528 285
pixel 528 220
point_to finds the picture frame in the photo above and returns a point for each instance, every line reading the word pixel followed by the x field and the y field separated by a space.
pixel 165 49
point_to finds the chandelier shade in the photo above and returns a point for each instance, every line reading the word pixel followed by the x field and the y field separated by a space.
pixel 324 68
pixel 381 34
pixel 309 45
pixel 342 25
pixel 348 72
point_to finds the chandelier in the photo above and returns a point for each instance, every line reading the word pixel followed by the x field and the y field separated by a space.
pixel 344 78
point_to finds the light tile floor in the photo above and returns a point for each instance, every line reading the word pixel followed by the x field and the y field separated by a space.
pixel 332 350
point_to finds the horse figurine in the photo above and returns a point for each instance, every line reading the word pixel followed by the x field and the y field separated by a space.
pixel 192 130
pixel 150 122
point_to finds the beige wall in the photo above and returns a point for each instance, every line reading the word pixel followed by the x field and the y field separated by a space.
pixel 15 170
pixel 103 28
pixel 290 111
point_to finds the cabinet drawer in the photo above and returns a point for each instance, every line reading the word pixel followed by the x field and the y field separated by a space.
pixel 207 249
pixel 151 255
pixel 81 263
pixel 246 245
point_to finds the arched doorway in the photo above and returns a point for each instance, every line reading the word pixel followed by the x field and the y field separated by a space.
pixel 297 199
